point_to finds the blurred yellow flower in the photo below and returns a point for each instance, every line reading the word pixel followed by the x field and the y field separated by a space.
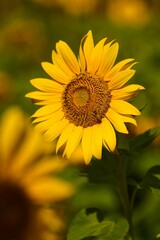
pixel 19 36
pixel 132 13
pixel 79 7
pixel 54 221
pixel 86 98
pixel 27 183
pixel 75 7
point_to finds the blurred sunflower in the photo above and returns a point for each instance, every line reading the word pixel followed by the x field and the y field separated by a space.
pixel 26 183
pixel 55 223
pixel 79 7
pixel 18 39
pixel 86 98
pixel 131 13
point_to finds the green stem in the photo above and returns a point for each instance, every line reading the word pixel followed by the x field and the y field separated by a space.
pixel 133 198
pixel 123 192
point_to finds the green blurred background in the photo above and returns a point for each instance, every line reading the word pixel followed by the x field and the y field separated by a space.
pixel 29 30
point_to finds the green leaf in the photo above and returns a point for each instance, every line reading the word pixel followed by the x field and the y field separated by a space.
pixel 150 181
pixel 156 193
pixel 154 170
pixel 87 227
pixel 119 230
pixel 152 178
pixel 142 141
pixel 157 237
pixel 132 182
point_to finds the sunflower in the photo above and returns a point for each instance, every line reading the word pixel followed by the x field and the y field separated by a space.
pixel 26 184
pixel 86 99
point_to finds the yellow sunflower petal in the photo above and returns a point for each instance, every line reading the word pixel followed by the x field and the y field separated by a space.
pixel 88 46
pixel 10 133
pixel 56 73
pixel 65 135
pixel 56 129
pixel 106 146
pixel 46 102
pixel 44 167
pixel 68 56
pixel 45 96
pixel 45 125
pixel 58 60
pixel 27 153
pixel 116 120
pixel 81 56
pixel 47 85
pixel 108 134
pixel 101 69
pixel 129 119
pixel 119 79
pixel 86 144
pixel 42 103
pixel 73 141
pixel 96 56
pixel 55 222
pixel 109 60
pixel 119 66
pixel 124 107
pixel 48 109
pixel 127 92
pixel 48 190
pixel 97 141
pixel 128 66
pixel 53 115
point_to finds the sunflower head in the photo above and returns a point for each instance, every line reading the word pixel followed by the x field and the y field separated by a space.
pixel 28 181
pixel 85 100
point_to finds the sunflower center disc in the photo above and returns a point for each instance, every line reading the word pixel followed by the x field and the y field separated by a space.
pixel 86 100
pixel 80 97
pixel 16 211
